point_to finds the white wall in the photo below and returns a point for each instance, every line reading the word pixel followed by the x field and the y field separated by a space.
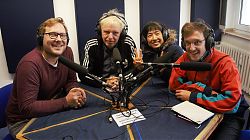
pixel 132 16
pixel 5 77
pixel 184 14
pixel 66 10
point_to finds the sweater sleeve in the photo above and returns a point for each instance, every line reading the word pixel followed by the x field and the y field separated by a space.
pixel 89 62
pixel 90 55
pixel 227 98
pixel 177 77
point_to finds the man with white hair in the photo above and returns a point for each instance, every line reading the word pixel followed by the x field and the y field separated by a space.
pixel 98 54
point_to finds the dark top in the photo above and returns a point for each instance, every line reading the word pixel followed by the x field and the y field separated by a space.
pixel 36 82
pixel 97 58
pixel 150 55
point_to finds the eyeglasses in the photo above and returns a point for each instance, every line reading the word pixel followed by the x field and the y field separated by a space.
pixel 54 35
pixel 195 42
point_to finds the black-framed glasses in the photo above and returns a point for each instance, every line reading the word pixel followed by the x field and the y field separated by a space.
pixel 54 35
pixel 194 42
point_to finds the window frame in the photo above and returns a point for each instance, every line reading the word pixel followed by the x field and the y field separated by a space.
pixel 237 24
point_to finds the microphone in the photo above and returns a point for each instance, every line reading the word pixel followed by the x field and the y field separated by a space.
pixel 80 69
pixel 190 66
pixel 117 56
pixel 117 59
pixel 195 66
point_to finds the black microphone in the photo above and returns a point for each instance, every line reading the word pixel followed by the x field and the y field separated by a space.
pixel 117 56
pixel 195 66
pixel 190 66
pixel 117 59
pixel 80 69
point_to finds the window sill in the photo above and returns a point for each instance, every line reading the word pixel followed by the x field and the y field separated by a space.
pixel 237 33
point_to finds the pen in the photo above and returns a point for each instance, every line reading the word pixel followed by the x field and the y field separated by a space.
pixel 177 115
pixel 182 117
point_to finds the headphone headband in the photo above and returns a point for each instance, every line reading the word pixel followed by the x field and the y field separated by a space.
pixel 116 14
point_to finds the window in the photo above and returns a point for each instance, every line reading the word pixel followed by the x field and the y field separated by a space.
pixel 245 9
pixel 242 20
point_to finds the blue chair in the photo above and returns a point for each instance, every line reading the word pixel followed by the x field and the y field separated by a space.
pixel 245 133
pixel 4 97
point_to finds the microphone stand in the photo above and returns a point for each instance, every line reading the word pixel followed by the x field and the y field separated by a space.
pixel 112 96
pixel 123 98
pixel 120 100
pixel 121 91
pixel 126 87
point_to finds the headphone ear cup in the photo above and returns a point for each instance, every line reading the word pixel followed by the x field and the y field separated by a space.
pixel 98 29
pixel 209 42
pixel 210 39
pixel 67 41
pixel 123 33
pixel 164 31
pixel 40 40
pixel 165 34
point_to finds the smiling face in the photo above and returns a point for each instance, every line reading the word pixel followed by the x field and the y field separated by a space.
pixel 54 46
pixel 195 45
pixel 155 38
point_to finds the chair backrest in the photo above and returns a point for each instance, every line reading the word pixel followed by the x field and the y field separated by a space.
pixel 244 135
pixel 4 97
pixel 248 119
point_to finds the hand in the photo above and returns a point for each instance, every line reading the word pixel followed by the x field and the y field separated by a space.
pixel 182 94
pixel 138 57
pixel 113 83
pixel 76 97
pixel 138 61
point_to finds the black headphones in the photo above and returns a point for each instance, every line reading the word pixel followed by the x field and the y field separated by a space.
pixel 209 32
pixel 120 17
pixel 155 25
pixel 39 38
pixel 210 39
pixel 165 33
pixel 40 34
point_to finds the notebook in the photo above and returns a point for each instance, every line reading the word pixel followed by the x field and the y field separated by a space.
pixel 192 112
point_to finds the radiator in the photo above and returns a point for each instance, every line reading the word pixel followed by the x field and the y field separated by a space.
pixel 242 59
